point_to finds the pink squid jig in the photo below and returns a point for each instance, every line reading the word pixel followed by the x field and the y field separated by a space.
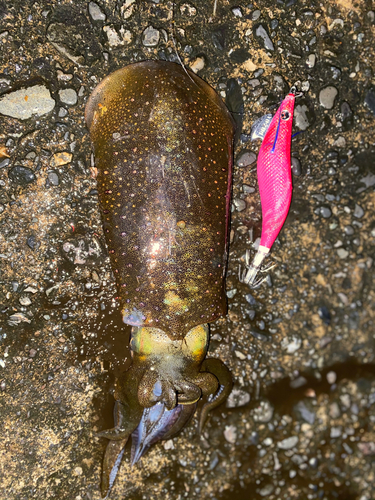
pixel 275 181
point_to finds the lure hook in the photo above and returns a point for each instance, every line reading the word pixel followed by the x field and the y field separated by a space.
pixel 295 92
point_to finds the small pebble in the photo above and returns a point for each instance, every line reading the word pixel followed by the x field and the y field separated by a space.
pixel 127 8
pixel 279 83
pixel 296 166
pixel 345 401
pixel 342 253
pixel 288 443
pixel 251 300
pixel 325 212
pixel 197 64
pixel 349 230
pixel 305 86
pixel 250 313
pixel 32 242
pixel 25 103
pixel 340 142
pixel 255 15
pixel 114 39
pixel 358 212
pixel 344 299
pixel 324 314
pixel 264 412
pixel 53 178
pixel 327 96
pixel 240 355
pixel 64 77
pixel 306 414
pixel 214 460
pixel 246 159
pixel 368 449
pixel 261 33
pixel 189 10
pixel 300 116
pixel 298 382
pixel 21 175
pixel 370 100
pixel 346 110
pixel 349 451
pixel 237 11
pixel 331 377
pixel 368 181
pixel 4 163
pixel 168 445
pixel 310 62
pixel 266 490
pixel 237 398
pixel 25 301
pixel 231 293
pixel 335 432
pixel 68 96
pixel 230 433
pixel 248 189
pixel 254 82
pixel 291 345
pixel 336 72
pixel 274 23
pixel 59 159
pixel 16 319
pixel 150 37
pixel 96 12
pixel 332 157
pixel 239 204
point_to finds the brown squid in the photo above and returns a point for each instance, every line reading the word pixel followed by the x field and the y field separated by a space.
pixel 163 144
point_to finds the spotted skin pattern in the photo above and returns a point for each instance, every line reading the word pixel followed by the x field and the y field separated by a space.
pixel 163 143
pixel 163 148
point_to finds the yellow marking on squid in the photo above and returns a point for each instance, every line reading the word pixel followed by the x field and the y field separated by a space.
pixel 102 108
pixel 175 303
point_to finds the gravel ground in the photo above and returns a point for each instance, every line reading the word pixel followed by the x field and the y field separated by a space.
pixel 300 421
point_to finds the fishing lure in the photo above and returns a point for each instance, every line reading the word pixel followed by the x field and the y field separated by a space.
pixel 275 181
pixel 163 144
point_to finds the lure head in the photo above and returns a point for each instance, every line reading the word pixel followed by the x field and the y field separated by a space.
pixel 280 129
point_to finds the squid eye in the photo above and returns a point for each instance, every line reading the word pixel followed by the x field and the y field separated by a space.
pixel 285 115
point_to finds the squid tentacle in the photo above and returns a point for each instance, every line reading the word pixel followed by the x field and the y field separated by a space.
pixel 217 368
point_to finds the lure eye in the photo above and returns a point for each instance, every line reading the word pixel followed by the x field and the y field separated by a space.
pixel 285 115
